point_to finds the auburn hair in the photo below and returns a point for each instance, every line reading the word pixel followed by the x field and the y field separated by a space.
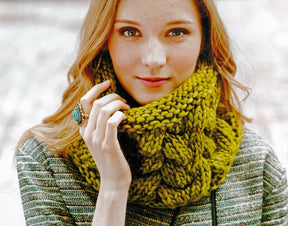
pixel 60 129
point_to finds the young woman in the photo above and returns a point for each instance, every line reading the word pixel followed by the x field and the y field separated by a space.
pixel 151 112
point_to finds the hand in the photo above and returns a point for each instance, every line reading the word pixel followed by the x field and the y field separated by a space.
pixel 100 135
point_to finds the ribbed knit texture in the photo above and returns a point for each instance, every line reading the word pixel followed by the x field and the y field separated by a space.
pixel 184 146
pixel 254 192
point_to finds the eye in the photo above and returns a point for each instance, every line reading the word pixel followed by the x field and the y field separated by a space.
pixel 178 32
pixel 130 32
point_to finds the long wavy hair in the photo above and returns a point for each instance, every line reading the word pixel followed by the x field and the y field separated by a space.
pixel 60 129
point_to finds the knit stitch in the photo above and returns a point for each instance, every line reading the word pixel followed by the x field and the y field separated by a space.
pixel 179 146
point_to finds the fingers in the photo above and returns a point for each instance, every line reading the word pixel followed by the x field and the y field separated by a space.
pixel 104 117
pixel 112 124
pixel 93 94
pixel 87 100
pixel 107 105
pixel 101 111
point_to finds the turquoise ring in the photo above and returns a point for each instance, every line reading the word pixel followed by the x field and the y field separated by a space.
pixel 78 114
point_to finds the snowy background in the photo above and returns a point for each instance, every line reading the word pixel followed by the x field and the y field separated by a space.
pixel 38 40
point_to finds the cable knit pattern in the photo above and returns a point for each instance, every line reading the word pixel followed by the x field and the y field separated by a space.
pixel 179 147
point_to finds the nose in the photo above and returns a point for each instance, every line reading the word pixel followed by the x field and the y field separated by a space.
pixel 154 54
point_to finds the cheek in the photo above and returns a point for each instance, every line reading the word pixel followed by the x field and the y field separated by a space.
pixel 185 62
pixel 122 57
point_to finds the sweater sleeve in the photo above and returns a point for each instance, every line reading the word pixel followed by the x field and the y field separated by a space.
pixel 41 197
pixel 275 196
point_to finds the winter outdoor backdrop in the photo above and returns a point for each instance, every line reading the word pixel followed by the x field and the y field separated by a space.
pixel 38 41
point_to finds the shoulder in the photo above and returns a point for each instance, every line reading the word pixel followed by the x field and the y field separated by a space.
pixel 32 153
pixel 254 147
pixel 253 139
pixel 31 147
pixel 257 154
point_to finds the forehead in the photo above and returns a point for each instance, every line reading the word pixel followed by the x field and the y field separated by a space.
pixel 155 10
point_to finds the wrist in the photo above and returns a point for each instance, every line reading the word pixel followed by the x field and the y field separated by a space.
pixel 112 189
pixel 114 186
pixel 111 206
pixel 113 197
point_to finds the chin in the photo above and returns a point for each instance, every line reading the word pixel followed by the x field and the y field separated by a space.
pixel 141 98
pixel 142 103
pixel 145 101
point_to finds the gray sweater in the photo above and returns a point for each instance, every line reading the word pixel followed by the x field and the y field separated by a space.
pixel 255 191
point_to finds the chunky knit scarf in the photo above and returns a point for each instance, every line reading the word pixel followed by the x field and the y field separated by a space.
pixel 179 147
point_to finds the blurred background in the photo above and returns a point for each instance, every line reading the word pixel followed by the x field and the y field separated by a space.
pixel 38 41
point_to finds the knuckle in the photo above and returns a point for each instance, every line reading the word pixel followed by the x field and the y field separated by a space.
pixel 118 102
pixel 84 101
pixel 104 111
pixel 112 123
pixel 98 89
pixel 115 96
pixel 97 104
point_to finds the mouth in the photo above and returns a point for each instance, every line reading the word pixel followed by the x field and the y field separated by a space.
pixel 153 82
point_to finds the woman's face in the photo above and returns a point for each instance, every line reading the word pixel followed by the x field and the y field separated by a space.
pixel 154 46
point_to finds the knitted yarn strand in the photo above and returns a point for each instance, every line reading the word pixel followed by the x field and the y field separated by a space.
pixel 179 147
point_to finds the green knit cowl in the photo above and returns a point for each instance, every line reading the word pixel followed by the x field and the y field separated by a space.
pixel 179 147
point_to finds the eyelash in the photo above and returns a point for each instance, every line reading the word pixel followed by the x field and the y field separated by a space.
pixel 123 31
pixel 182 30
pixel 129 29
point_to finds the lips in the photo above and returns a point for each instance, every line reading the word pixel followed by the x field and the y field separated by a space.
pixel 153 82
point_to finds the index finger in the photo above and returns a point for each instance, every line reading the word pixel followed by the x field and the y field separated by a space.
pixel 93 94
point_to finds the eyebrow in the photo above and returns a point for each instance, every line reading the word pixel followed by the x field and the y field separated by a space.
pixel 176 22
pixel 127 21
pixel 180 22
